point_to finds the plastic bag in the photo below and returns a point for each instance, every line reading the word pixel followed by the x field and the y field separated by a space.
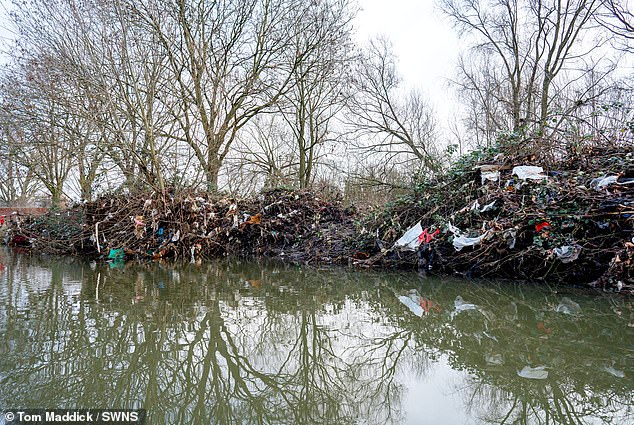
pixel 116 254
pixel 601 183
pixel 462 241
pixel 490 176
pixel 409 240
pixel 541 226
pixel 525 172
pixel 414 237
pixel 426 236
pixel 510 237
pixel 567 253
pixel 453 229
pixel 488 207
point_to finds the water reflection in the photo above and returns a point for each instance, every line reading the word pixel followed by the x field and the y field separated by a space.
pixel 233 342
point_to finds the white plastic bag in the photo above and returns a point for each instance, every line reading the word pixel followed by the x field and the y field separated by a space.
pixel 567 253
pixel 490 176
pixel 601 183
pixel 525 172
pixel 409 240
pixel 462 241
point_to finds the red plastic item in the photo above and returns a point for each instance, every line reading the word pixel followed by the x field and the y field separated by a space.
pixel 426 237
pixel 541 226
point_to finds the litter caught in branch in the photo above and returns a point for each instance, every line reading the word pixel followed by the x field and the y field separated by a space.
pixel 602 183
pixel 542 225
pixel 415 236
pixel 463 241
pixel 460 241
pixel 492 176
pixel 487 207
pixel 490 172
pixel 526 172
pixel 409 240
pixel 427 236
pixel 567 253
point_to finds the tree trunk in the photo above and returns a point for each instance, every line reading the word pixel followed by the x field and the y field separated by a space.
pixel 56 198
pixel 543 115
pixel 211 173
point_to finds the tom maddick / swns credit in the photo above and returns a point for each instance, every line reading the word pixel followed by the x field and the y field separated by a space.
pixel 73 416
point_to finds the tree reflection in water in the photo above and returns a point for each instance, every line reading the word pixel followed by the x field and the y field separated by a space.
pixel 234 342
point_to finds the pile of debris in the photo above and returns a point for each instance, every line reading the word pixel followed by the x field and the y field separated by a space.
pixel 489 217
pixel 296 226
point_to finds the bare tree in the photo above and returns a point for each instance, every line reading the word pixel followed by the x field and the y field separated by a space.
pixel 619 20
pixel 126 72
pixel 41 144
pixel 288 144
pixel 17 181
pixel 49 83
pixel 229 61
pixel 398 127
pixel 480 85
pixel 602 114
pixel 318 83
pixel 135 72
pixel 115 92
pixel 532 42
pixel 266 151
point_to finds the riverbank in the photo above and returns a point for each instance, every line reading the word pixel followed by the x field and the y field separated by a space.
pixel 489 215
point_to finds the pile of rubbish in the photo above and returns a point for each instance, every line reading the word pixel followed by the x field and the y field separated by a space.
pixel 296 226
pixel 490 217
pixel 49 232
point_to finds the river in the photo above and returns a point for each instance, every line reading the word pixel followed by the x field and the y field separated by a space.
pixel 237 342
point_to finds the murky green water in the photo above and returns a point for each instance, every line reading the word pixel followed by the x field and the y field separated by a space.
pixel 241 343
